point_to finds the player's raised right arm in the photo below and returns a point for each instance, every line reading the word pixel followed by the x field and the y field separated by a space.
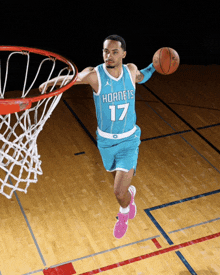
pixel 82 78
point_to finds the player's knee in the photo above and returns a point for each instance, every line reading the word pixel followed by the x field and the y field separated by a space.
pixel 120 193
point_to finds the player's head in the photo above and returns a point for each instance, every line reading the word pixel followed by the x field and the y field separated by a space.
pixel 118 38
pixel 114 51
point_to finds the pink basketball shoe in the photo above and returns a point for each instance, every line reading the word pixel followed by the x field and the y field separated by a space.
pixel 121 225
pixel 133 208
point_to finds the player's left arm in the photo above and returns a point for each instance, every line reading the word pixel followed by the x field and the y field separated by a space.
pixel 143 75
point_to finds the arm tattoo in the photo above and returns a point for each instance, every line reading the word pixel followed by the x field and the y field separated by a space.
pixel 140 76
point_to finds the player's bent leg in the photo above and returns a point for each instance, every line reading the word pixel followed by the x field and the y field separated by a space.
pixel 125 196
pixel 121 185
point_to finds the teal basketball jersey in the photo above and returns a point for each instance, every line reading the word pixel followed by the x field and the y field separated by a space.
pixel 115 102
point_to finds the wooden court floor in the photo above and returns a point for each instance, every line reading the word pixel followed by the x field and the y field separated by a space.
pixel 64 224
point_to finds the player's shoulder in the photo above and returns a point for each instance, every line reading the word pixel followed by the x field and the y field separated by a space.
pixel 132 67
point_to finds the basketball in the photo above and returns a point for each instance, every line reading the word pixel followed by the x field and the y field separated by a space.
pixel 166 61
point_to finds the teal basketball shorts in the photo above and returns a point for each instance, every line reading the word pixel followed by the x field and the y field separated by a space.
pixel 120 154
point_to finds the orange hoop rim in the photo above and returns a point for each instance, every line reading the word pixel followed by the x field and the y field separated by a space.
pixel 28 100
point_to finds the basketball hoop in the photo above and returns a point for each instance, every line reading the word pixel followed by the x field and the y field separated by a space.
pixel 22 118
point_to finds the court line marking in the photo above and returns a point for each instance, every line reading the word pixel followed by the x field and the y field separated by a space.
pixel 157 244
pixel 158 226
pixel 182 137
pixel 152 254
pixel 29 226
pixel 155 222
pixel 184 261
pixel 200 154
pixel 180 132
pixel 33 272
pixel 80 122
pixel 167 135
pixel 208 126
pixel 195 225
pixel 80 153
pixel 183 120
pixel 106 251
pixel 183 200
pixel 66 269
pixel 152 238
pixel 98 253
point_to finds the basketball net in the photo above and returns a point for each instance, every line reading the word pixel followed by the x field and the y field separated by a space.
pixel 20 162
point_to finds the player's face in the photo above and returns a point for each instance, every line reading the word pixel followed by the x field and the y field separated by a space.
pixel 113 53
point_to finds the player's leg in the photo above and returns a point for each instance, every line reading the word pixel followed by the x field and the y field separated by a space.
pixel 126 160
pixel 121 184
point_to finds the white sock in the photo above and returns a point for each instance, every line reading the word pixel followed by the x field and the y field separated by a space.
pixel 130 188
pixel 124 210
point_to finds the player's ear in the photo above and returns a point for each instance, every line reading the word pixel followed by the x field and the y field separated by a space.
pixel 124 54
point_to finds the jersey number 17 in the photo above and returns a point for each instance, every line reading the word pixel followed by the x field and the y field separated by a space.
pixel 121 106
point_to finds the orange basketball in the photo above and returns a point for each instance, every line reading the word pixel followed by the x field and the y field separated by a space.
pixel 166 61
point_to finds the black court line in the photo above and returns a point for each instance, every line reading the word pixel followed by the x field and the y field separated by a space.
pixel 80 153
pixel 183 120
pixel 167 135
pixel 209 126
pixel 182 137
pixel 80 122
pixel 180 132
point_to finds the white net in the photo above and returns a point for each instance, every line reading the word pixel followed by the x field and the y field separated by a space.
pixel 20 162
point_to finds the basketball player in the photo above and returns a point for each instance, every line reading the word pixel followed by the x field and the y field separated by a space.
pixel 118 136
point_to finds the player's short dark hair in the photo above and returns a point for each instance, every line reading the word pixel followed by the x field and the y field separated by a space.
pixel 116 37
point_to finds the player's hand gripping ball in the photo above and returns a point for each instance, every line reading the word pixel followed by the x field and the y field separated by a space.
pixel 166 61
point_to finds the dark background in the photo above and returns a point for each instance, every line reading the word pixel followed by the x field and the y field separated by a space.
pixel 76 29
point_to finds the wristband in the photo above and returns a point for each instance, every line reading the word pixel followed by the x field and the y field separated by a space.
pixel 147 72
